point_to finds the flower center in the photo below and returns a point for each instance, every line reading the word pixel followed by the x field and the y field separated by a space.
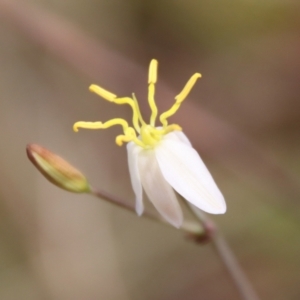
pixel 149 134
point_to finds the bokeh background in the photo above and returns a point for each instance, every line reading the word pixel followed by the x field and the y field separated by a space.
pixel 243 117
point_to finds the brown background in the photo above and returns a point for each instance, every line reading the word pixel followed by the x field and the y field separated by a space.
pixel 243 116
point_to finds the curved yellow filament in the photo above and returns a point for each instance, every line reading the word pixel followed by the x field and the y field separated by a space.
pixel 152 104
pixel 100 125
pixel 129 136
pixel 116 121
pixel 136 115
pixel 121 139
pixel 138 112
pixel 163 117
pixel 171 128
pixel 179 99
pixel 150 136
pixel 87 125
pixel 187 88
pixel 124 100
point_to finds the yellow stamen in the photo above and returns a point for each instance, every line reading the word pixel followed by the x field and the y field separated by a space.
pixel 152 78
pixel 120 139
pixel 171 128
pixel 129 136
pixel 138 112
pixel 186 90
pixel 87 125
pixel 102 92
pixel 149 136
pixel 152 104
pixel 179 99
pixel 100 125
pixel 124 100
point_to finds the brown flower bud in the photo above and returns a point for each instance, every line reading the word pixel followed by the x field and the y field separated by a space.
pixel 57 170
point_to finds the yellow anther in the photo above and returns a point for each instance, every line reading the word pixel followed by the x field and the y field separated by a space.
pixel 179 99
pixel 102 92
pixel 152 78
pixel 123 100
pixel 87 125
pixel 189 85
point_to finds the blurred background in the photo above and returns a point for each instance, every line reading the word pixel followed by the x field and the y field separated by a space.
pixel 243 117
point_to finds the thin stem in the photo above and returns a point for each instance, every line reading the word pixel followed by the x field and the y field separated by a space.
pixel 231 264
pixel 207 231
pixel 227 257
pixel 191 228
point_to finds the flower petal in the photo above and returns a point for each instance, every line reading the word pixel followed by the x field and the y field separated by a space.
pixel 184 170
pixel 132 154
pixel 178 136
pixel 159 192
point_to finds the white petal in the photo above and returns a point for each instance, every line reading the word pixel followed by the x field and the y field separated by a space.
pixel 159 192
pixel 183 168
pixel 132 153
pixel 178 136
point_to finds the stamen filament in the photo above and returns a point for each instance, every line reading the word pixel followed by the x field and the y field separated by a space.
pixel 87 125
pixel 163 117
pixel 149 135
pixel 129 136
pixel 152 78
pixel 120 139
pixel 138 112
pixel 124 100
pixel 117 121
pixel 171 128
pixel 179 99
pixel 187 88
pixel 151 91
pixel 100 125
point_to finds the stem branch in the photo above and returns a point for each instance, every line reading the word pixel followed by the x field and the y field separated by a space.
pixel 191 228
pixel 227 257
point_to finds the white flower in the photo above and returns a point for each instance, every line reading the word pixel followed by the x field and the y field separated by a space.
pixel 162 158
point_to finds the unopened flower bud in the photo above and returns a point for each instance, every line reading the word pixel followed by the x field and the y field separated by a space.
pixel 57 170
